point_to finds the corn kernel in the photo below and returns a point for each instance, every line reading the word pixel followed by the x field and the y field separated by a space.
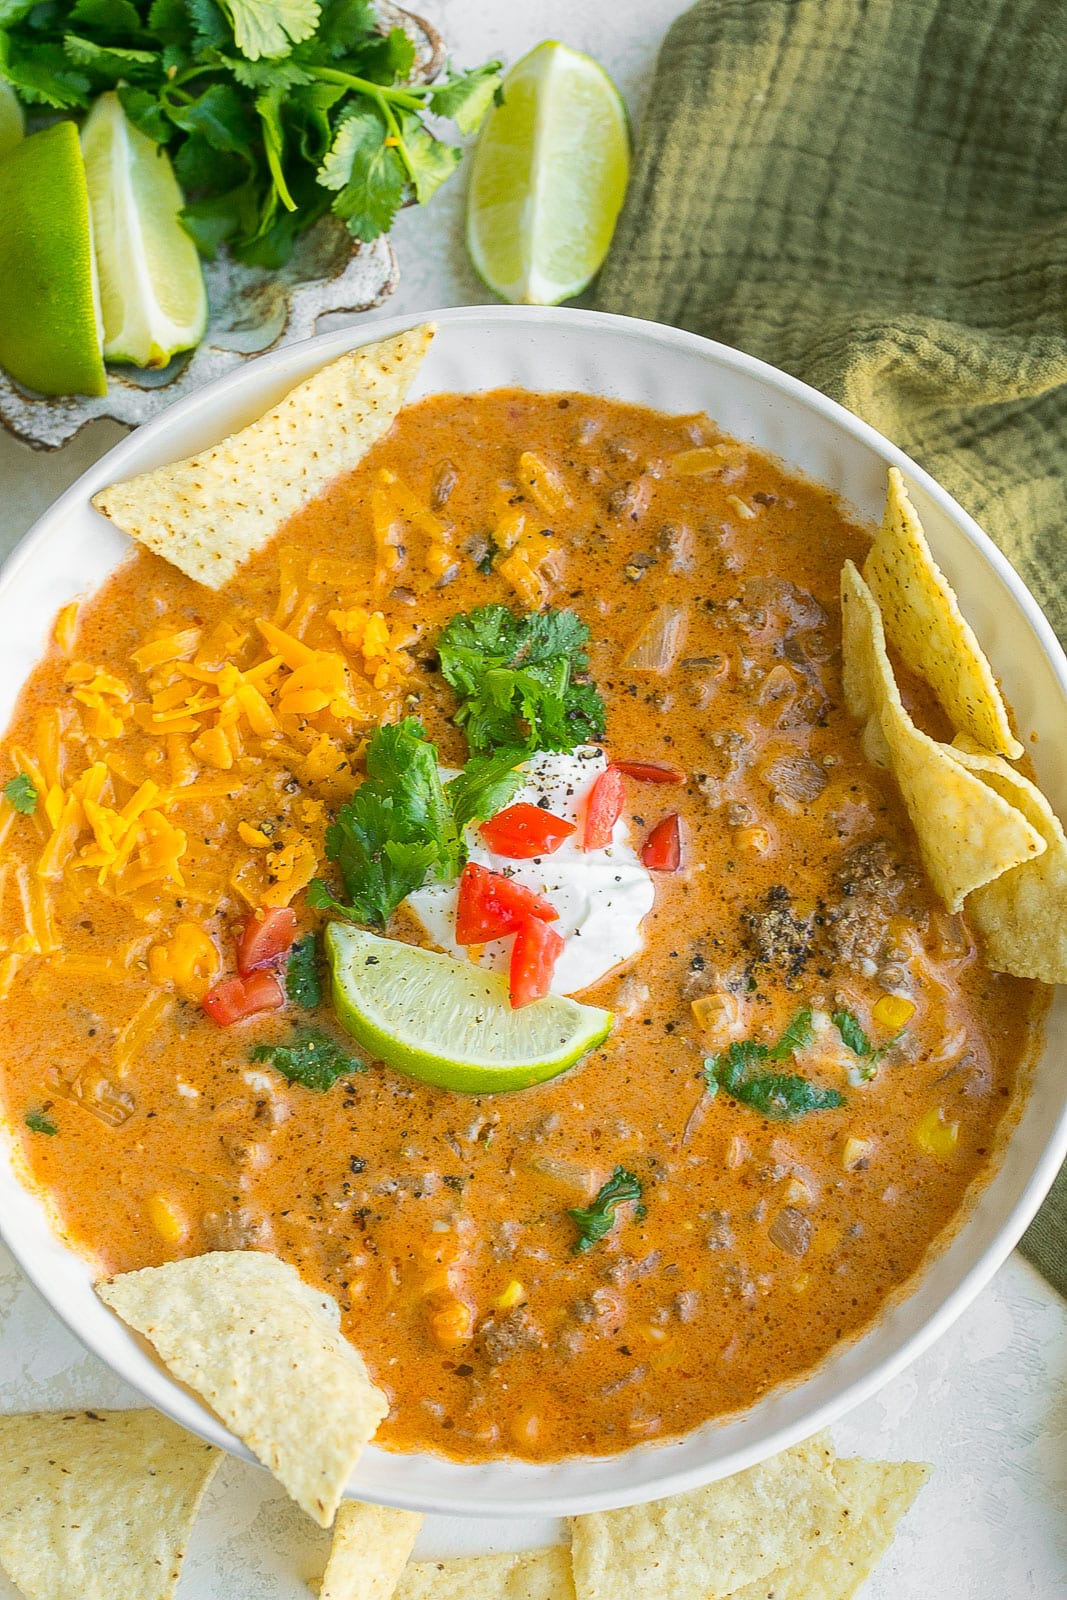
pixel 525 1427
pixel 742 507
pixel 934 1135
pixel 892 1011
pixel 166 1219
pixel 694 463
pixel 512 1296
pixel 854 1151
pixel 802 1284
pixel 797 1193
pixel 653 1335
pixel 452 1324
pixel 757 841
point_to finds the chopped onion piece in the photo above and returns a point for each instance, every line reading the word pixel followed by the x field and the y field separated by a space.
pixel 659 644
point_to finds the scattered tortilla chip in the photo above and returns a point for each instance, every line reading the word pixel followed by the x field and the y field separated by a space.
pixel 923 621
pixel 710 1541
pixel 370 1548
pixel 968 834
pixel 246 1334
pixel 98 1505
pixel 209 513
pixel 533 1575
pixel 877 1493
pixel 1022 915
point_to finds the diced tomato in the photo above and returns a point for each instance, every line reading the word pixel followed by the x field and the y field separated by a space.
pixel 490 905
pixel 266 935
pixel 651 771
pixel 603 809
pixel 534 955
pixel 522 831
pixel 662 850
pixel 236 998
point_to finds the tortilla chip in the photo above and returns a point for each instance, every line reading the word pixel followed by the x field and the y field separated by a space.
pixel 968 834
pixel 1022 916
pixel 877 1493
pixel 533 1575
pixel 98 1505
pixel 924 623
pixel 209 513
pixel 243 1331
pixel 371 1545
pixel 710 1541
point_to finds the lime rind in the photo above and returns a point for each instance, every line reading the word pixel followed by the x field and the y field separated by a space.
pixel 450 1023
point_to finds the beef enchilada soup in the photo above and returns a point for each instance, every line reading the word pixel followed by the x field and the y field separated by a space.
pixel 788 1061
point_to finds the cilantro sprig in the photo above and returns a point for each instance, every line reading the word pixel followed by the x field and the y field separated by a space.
pixel 854 1038
pixel 40 1122
pixel 275 111
pixel 310 1058
pixel 303 984
pixel 519 679
pixel 594 1221
pixel 403 825
pixel 780 1096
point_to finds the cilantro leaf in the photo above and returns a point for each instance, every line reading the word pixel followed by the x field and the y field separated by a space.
pixel 515 676
pixel 855 1039
pixel 429 161
pixel 312 1058
pixel 780 1096
pixel 107 58
pixel 594 1221
pixel 38 1122
pixel 484 787
pixel 20 793
pixel 368 173
pixel 777 1095
pixel 271 27
pixel 303 986
pixel 467 96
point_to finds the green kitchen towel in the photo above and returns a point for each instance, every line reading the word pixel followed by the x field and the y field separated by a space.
pixel 872 194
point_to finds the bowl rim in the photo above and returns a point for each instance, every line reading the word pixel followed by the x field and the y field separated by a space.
pixel 268 371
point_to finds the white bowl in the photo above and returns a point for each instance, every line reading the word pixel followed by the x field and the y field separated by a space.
pixel 72 549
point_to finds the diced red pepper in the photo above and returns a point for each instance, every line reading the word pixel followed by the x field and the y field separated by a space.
pixel 662 850
pixel 603 809
pixel 490 905
pixel 523 831
pixel 267 935
pixel 534 955
pixel 236 998
pixel 651 771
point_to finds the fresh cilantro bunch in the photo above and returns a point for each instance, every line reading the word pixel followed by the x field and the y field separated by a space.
pixel 274 111
pixel 519 679
pixel 403 825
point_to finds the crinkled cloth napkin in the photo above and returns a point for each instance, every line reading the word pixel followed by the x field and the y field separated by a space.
pixel 872 194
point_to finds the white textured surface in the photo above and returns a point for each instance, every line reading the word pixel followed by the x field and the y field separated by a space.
pixel 987 1405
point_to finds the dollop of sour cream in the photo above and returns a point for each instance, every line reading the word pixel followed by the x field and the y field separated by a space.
pixel 602 896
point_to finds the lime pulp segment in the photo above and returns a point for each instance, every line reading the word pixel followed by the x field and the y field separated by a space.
pixel 451 1023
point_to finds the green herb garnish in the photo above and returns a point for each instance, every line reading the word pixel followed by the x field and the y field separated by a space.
pixel 517 679
pixel 599 1218
pixel 855 1039
pixel 37 1122
pixel 303 986
pixel 778 1095
pixel 402 825
pixel 20 793
pixel 275 111
pixel 311 1058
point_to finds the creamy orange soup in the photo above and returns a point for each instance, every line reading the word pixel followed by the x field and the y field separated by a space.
pixel 187 761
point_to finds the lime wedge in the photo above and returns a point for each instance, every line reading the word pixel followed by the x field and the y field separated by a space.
pixel 548 177
pixel 448 1022
pixel 152 295
pixel 12 121
pixel 49 339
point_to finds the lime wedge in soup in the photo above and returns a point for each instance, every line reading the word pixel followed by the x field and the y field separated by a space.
pixel 49 334
pixel 152 295
pixel 451 1023
pixel 548 177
